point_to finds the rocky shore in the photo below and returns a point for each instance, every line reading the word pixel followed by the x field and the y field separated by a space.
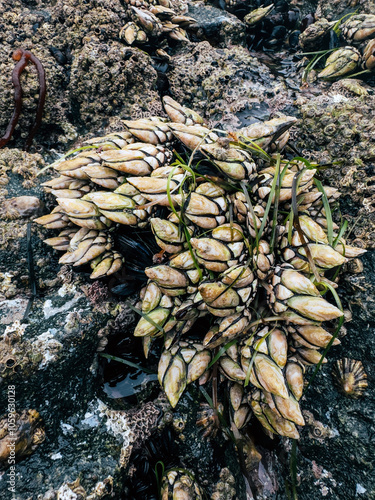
pixel 74 435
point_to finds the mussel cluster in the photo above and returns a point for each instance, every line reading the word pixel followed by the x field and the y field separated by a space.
pixel 350 39
pixel 271 25
pixel 355 48
pixel 246 245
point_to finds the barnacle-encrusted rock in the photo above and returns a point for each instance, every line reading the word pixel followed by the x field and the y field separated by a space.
pixel 77 43
pixel 21 356
pixel 115 71
pixel 339 127
pixel 200 78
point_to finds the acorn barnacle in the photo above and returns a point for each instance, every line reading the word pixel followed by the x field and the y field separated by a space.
pixel 350 377
pixel 207 419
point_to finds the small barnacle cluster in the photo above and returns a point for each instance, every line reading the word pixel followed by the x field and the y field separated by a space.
pixel 20 435
pixel 75 489
pixel 355 47
pixel 180 484
pixel 246 237
pixel 155 19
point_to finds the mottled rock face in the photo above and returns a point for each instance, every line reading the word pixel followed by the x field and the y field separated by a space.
pixel 228 86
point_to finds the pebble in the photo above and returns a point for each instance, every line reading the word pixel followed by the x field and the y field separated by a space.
pixel 26 206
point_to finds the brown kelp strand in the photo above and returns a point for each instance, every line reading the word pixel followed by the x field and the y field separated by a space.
pixel 23 57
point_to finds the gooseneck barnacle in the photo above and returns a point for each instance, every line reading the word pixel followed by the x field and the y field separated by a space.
pixel 23 57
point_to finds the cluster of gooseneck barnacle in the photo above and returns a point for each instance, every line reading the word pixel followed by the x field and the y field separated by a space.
pixel 180 484
pixel 358 36
pixel 230 250
pixel 155 19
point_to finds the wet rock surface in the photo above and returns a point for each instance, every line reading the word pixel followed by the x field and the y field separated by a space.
pixel 50 353
pixel 336 452
pixel 218 26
